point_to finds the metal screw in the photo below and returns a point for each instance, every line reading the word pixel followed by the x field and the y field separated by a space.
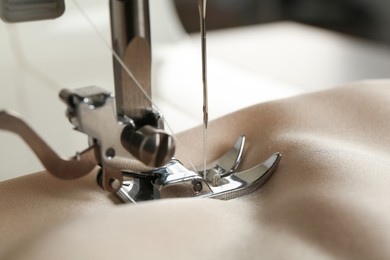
pixel 197 187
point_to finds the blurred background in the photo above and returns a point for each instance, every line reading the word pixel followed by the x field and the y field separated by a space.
pixel 368 19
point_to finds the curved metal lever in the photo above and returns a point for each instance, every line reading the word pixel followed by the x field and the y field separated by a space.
pixel 75 167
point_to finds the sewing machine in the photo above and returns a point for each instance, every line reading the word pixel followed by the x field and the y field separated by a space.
pixel 328 197
pixel 267 67
pixel 126 131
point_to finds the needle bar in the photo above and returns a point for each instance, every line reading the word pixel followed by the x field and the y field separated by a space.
pixel 131 41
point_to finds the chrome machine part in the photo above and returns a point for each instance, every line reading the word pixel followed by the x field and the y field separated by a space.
pixel 130 27
pixel 130 30
pixel 226 164
pixel 153 147
pixel 180 182
pixel 122 147
pixel 222 181
pixel 126 133
pixel 92 111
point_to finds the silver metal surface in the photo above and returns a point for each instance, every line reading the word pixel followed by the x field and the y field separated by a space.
pixel 226 164
pixel 122 147
pixel 176 181
pixel 240 184
pixel 92 111
pixel 154 147
pixel 131 41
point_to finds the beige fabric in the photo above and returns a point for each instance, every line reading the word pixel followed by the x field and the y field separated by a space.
pixel 329 197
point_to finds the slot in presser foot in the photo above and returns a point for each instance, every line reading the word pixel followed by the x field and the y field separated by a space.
pixel 136 157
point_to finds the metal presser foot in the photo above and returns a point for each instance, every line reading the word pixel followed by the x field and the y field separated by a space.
pixel 136 163
pixel 222 181
pixel 126 133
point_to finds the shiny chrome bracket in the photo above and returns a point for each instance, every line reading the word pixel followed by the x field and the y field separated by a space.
pixel 222 181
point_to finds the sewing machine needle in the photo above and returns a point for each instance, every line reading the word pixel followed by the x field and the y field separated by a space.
pixel 202 15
